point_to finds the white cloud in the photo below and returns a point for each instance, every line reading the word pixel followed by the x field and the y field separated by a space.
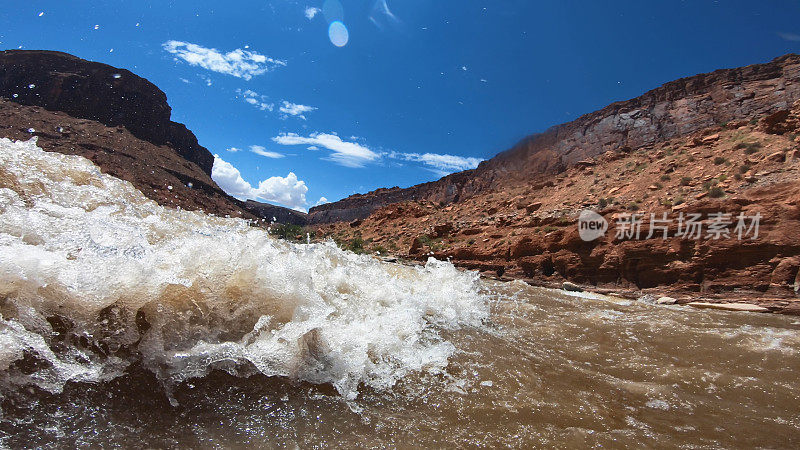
pixel 294 109
pixel 440 164
pixel 792 37
pixel 321 201
pixel 260 150
pixel 348 154
pixel 233 149
pixel 286 108
pixel 353 154
pixel 310 12
pixel 230 179
pixel 239 63
pixel 288 191
pixel 254 98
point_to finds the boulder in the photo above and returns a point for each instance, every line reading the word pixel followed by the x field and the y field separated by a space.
pixel 533 207
pixel 777 157
pixel 780 122
pixel 747 307
pixel 442 230
pixel 666 301
pixel 572 287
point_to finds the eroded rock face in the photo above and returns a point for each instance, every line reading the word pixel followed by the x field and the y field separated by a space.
pixel 531 230
pixel 156 170
pixel 275 213
pixel 678 108
pixel 121 122
pixel 89 90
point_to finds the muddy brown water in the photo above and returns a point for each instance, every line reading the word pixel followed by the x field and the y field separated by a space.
pixel 124 324
pixel 548 369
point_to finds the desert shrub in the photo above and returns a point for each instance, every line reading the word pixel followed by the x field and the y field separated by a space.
pixel 720 160
pixel 716 192
pixel 709 184
pixel 286 231
pixel 356 245
pixel 737 176
pixel 685 181
pixel 749 147
pixel 665 177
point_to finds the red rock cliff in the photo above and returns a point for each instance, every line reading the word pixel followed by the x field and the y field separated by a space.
pixel 677 108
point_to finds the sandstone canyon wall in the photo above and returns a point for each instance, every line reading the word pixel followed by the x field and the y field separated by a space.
pixel 677 108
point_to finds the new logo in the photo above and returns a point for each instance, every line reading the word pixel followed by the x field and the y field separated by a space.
pixel 591 225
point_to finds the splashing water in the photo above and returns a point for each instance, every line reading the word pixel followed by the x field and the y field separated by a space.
pixel 104 295
pixel 95 278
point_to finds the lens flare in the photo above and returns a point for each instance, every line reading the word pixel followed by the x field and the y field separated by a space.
pixel 338 34
pixel 333 11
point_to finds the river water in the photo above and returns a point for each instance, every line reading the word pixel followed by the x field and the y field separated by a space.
pixel 128 324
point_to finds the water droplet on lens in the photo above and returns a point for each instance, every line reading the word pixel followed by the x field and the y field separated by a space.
pixel 338 34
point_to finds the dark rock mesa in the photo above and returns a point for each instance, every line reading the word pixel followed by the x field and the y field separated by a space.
pixel 122 123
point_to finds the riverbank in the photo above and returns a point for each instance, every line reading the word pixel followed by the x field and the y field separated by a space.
pixel 734 301
pixel 736 184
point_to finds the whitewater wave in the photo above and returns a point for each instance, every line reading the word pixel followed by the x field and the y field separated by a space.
pixel 95 278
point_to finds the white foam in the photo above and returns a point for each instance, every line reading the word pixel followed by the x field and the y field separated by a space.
pixel 85 252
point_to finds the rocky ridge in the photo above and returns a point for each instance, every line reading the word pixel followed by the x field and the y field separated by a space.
pixel 122 123
pixel 530 231
pixel 678 108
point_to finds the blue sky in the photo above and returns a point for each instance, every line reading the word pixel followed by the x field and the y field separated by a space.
pixel 413 89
